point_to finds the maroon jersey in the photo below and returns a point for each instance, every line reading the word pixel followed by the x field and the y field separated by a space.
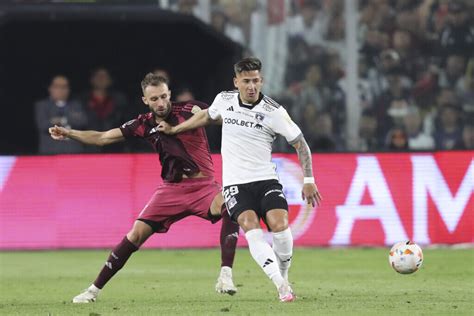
pixel 185 153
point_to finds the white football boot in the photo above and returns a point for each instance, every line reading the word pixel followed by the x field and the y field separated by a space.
pixel 88 296
pixel 224 284
pixel 285 293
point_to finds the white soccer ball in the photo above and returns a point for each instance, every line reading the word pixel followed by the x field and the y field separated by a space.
pixel 405 257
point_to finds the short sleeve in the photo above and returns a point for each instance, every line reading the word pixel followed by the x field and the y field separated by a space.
pixel 284 125
pixel 131 128
pixel 214 109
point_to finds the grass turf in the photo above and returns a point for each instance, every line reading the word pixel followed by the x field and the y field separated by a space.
pixel 352 281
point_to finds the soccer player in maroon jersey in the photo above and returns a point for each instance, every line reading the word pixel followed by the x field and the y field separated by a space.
pixel 187 170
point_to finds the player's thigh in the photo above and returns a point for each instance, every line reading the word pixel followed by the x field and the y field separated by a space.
pixel 216 205
pixel 273 205
pixel 238 199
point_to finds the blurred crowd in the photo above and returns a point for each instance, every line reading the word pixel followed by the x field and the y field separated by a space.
pixel 415 75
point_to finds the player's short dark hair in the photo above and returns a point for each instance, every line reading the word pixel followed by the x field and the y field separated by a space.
pixel 248 64
pixel 153 80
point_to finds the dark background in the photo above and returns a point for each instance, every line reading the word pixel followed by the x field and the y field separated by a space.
pixel 39 41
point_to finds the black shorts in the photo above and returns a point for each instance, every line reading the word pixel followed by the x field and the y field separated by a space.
pixel 260 196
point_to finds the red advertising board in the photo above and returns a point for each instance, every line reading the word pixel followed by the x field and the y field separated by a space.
pixel 91 201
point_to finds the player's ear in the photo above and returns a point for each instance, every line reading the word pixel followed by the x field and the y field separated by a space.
pixel 144 100
pixel 235 82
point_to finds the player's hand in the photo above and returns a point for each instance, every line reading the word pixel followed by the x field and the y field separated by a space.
pixel 58 132
pixel 166 128
pixel 311 194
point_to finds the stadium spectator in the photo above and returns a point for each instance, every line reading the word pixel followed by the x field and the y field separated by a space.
pixel 184 94
pixel 364 87
pixel 396 140
pixel 187 171
pixel 467 142
pixel 106 107
pixel 449 132
pixel 368 137
pixel 323 137
pixel 227 17
pixel 457 36
pixel 417 138
pixel 251 188
pixel 453 74
pixel 311 23
pixel 392 105
pixel 309 91
pixel 59 109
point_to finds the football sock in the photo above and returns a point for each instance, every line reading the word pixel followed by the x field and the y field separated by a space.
pixel 263 254
pixel 115 262
pixel 283 248
pixel 229 237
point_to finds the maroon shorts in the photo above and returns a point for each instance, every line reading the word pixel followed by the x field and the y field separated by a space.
pixel 174 201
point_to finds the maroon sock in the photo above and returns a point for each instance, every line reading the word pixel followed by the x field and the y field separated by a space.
pixel 229 237
pixel 115 262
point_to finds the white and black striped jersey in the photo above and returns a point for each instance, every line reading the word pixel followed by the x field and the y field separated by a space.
pixel 248 132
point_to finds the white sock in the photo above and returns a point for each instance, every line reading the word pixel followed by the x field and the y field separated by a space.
pixel 283 248
pixel 263 254
pixel 226 271
pixel 94 289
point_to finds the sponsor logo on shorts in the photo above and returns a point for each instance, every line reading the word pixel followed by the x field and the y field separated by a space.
pixel 274 190
pixel 232 202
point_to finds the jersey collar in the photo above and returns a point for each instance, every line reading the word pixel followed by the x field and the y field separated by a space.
pixel 260 97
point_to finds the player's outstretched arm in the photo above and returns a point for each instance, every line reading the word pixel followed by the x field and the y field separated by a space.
pixel 310 190
pixel 199 119
pixel 87 137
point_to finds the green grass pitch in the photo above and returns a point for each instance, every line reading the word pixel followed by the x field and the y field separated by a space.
pixel 352 281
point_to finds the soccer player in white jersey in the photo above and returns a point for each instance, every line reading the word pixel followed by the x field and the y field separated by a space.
pixel 250 122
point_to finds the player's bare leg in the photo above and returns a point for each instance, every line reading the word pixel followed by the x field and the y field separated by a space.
pixel 117 259
pixel 262 253
pixel 277 220
pixel 228 241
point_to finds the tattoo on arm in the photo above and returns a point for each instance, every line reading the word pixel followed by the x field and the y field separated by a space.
pixel 304 155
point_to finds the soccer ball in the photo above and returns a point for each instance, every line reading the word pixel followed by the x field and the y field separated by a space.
pixel 405 257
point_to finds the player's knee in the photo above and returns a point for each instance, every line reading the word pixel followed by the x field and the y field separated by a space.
pixel 139 233
pixel 279 226
pixel 248 221
pixel 277 221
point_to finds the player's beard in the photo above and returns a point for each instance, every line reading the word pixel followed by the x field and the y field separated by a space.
pixel 162 114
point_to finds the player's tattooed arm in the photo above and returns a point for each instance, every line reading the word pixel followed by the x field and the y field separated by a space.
pixel 304 155
pixel 310 191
